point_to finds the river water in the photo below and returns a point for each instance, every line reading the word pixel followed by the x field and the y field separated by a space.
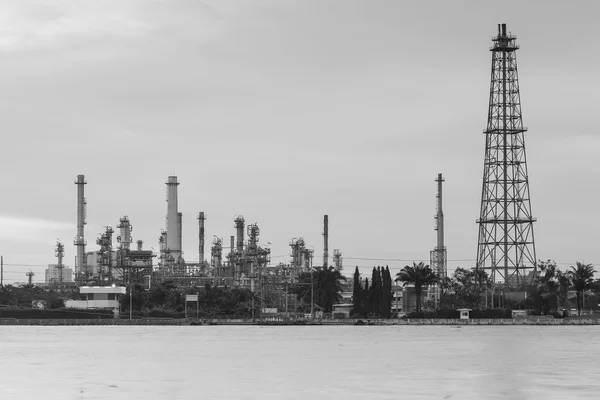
pixel 299 362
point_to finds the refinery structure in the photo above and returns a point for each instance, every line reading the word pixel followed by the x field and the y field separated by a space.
pixel 245 262
pixel 505 247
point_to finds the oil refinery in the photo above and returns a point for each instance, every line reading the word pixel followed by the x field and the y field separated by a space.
pixel 245 262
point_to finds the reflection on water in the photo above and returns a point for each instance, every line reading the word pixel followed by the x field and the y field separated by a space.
pixel 295 362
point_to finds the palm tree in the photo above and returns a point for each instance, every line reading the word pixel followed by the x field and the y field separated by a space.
pixel 329 287
pixel 419 275
pixel 582 278
pixel 326 284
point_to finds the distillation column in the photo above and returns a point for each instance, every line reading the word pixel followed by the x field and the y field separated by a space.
pixel 173 229
pixel 239 226
pixel 59 252
pixel 79 240
pixel 124 239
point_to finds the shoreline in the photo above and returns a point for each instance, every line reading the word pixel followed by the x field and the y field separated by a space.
pixel 281 322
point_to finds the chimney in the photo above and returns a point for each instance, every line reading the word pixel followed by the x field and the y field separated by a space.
pixel 326 240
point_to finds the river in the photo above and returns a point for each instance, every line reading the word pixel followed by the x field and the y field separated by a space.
pixel 299 362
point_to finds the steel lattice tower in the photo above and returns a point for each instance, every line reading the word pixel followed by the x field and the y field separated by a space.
pixel 506 249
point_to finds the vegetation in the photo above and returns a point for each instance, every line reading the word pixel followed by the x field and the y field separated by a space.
pixel 582 278
pixel 451 313
pixel 465 288
pixel 549 289
pixel 26 296
pixel 327 288
pixel 419 275
pixel 375 300
pixel 167 300
pixel 546 295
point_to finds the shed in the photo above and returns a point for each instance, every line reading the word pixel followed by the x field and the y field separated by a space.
pixel 464 313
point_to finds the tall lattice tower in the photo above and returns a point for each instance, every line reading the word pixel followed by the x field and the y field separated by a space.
pixel 506 248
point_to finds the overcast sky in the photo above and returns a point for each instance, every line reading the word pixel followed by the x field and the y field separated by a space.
pixel 283 111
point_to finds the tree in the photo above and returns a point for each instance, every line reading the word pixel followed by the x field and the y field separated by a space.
pixel 582 278
pixel 375 291
pixel 469 285
pixel 326 285
pixel 419 275
pixel 366 304
pixel 387 296
pixel 357 294
pixel 549 289
pixel 329 287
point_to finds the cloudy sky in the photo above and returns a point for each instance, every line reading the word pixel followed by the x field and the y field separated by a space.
pixel 283 111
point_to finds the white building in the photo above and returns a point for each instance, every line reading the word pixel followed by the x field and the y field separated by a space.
pixel 53 274
pixel 106 297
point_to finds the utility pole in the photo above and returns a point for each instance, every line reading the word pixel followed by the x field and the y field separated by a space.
pixel 312 292
pixel 130 294
pixel 1 271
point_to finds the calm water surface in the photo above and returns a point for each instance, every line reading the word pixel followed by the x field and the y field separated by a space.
pixel 314 362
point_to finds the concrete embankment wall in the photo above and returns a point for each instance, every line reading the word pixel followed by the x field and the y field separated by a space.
pixel 12 321
pixel 328 322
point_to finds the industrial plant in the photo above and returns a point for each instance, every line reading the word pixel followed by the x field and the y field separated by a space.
pixel 506 248
pixel 244 263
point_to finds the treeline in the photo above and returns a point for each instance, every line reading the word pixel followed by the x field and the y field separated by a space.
pixel 375 297
pixel 547 292
pixel 25 296
pixel 168 301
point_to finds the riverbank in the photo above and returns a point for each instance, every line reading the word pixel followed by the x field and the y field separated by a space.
pixel 283 322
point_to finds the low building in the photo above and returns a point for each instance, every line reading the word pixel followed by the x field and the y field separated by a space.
pixel 104 297
pixel 53 274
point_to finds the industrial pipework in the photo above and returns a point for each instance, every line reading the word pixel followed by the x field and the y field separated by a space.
pixel 59 252
pixel 79 240
pixel 239 226
pixel 124 239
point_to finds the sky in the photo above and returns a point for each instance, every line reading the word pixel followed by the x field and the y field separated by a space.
pixel 283 111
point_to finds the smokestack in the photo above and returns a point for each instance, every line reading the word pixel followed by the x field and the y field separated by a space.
pixel 326 240
pixel 79 241
pixel 140 244
pixel 173 242
pixel 201 219
pixel 440 214
pixel 231 244
pixel 439 254
pixel 179 231
pixel 503 29
pixel 239 226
